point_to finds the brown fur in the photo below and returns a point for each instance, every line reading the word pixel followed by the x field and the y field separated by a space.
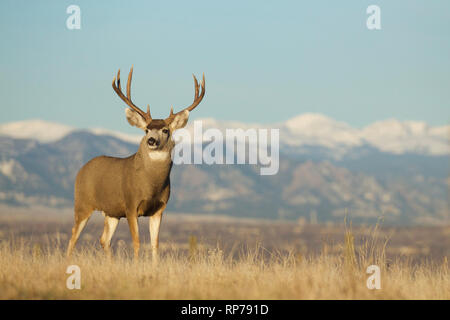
pixel 125 187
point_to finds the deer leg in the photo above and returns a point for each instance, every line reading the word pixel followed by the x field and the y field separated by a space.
pixel 154 225
pixel 80 223
pixel 134 229
pixel 108 231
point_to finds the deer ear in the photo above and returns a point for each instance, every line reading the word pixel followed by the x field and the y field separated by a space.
pixel 180 120
pixel 135 119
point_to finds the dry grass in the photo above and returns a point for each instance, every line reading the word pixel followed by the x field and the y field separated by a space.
pixel 35 271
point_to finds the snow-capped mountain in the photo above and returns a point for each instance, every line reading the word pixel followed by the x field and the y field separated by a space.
pixel 317 129
pixel 408 136
pixel 47 131
pixel 40 130
pixel 326 168
pixel 309 129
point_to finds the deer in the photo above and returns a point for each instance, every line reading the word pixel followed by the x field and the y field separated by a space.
pixel 131 187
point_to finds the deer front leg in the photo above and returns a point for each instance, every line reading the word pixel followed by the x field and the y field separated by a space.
pixel 134 229
pixel 154 225
pixel 108 231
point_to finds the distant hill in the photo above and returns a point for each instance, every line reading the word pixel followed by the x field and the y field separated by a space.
pixel 327 168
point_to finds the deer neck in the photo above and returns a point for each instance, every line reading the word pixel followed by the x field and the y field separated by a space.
pixel 159 161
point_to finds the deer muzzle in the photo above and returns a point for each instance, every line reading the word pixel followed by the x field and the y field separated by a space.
pixel 152 142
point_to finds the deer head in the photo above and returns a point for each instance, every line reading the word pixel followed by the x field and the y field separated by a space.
pixel 157 131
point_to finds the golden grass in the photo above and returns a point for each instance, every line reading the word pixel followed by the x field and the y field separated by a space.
pixel 29 271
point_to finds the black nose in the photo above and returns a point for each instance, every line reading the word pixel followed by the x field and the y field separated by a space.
pixel 151 141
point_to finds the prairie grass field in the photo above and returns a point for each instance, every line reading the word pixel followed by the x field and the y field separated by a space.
pixel 206 257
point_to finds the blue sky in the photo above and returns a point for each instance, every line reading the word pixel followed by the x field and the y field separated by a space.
pixel 263 61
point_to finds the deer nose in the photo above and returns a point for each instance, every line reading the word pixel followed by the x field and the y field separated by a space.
pixel 151 141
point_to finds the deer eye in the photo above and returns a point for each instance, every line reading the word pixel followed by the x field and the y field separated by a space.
pixel 146 130
pixel 165 131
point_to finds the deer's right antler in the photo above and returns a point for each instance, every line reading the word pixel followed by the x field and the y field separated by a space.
pixel 146 115
pixel 198 97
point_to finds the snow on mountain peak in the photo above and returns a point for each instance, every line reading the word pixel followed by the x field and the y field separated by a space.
pixel 132 138
pixel 408 136
pixel 43 131
pixel 309 129
pixel 313 129
pixel 308 120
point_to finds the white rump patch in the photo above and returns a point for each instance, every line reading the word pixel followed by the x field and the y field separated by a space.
pixel 158 155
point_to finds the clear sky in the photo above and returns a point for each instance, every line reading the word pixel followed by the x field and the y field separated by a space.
pixel 264 61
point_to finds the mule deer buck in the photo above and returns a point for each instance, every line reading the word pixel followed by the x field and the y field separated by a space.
pixel 135 186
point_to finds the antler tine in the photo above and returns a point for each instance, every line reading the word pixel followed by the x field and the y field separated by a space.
pixel 130 76
pixel 196 87
pixel 127 99
pixel 197 98
pixel 118 80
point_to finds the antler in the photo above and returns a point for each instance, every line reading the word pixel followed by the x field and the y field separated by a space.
pixel 146 115
pixel 197 99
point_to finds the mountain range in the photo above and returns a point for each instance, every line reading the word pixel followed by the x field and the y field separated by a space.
pixel 398 170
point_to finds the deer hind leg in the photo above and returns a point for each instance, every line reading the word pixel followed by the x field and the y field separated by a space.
pixel 134 229
pixel 154 225
pixel 108 231
pixel 81 218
